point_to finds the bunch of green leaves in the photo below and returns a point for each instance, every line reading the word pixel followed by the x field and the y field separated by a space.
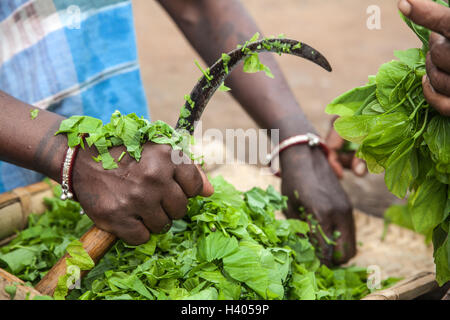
pixel 400 134
pixel 127 130
pixel 229 246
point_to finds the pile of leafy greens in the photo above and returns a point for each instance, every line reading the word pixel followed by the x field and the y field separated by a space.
pixel 229 246
pixel 129 130
pixel 400 134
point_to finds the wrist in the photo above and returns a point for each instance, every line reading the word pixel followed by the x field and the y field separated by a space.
pixel 301 157
pixel 309 140
pixel 51 157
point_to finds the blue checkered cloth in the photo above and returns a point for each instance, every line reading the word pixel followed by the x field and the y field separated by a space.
pixel 70 57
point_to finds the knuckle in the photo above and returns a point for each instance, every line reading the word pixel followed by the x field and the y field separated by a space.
pixel 165 150
pixel 136 193
pixel 150 172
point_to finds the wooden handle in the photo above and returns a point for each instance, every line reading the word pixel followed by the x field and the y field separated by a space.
pixel 407 289
pixel 95 241
pixel 22 291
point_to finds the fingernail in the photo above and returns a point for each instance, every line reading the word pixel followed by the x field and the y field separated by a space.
pixel 360 168
pixel 405 7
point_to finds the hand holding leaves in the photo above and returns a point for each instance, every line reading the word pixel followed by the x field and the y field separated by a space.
pixel 433 16
pixel 397 131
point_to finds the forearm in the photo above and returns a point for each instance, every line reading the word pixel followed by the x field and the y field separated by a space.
pixel 30 143
pixel 213 27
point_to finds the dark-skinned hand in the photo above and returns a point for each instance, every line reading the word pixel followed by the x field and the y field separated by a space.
pixel 436 17
pixel 309 181
pixel 138 198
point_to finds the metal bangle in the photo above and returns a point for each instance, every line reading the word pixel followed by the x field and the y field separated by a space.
pixel 66 175
pixel 311 139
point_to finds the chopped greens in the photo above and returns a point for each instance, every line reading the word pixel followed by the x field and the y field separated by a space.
pixel 229 246
pixel 127 130
pixel 400 134
pixel 11 290
pixel 34 113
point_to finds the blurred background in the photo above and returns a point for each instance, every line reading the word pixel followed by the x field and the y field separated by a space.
pixel 337 28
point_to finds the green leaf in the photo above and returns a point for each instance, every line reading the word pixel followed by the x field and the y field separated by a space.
pixel 400 215
pixel 34 113
pixel 348 103
pixel 206 294
pixel 224 88
pixel 11 290
pixel 441 244
pixel 391 76
pixel 411 57
pixel 305 287
pixel 399 173
pixel 78 256
pixel 437 137
pixel 216 246
pixel 427 205
pixel 255 266
pixel 421 32
pixel 252 64
pixel 354 128
pixel 19 259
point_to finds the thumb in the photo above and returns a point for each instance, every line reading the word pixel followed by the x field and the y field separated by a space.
pixel 429 14
pixel 208 189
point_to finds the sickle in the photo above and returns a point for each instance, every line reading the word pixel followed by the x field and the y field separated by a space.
pixel 205 88
pixel 97 242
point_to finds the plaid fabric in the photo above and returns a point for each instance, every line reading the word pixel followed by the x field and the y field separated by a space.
pixel 70 57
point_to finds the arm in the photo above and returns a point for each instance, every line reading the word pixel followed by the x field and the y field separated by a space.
pixel 132 201
pixel 213 27
pixel 28 143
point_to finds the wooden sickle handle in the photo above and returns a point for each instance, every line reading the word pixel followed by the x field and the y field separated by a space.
pixel 95 241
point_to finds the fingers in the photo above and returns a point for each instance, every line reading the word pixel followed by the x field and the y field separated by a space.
pixel 156 220
pixel 333 160
pixel 440 102
pixel 130 230
pixel 208 188
pixel 175 202
pixel 346 244
pixel 192 179
pixel 429 14
pixel 440 52
pixel 439 80
pixel 335 143
pixel 189 179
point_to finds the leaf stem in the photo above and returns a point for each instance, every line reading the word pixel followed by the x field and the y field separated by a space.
pixel 419 133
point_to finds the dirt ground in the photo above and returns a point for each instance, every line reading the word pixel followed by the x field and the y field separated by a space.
pixel 337 28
